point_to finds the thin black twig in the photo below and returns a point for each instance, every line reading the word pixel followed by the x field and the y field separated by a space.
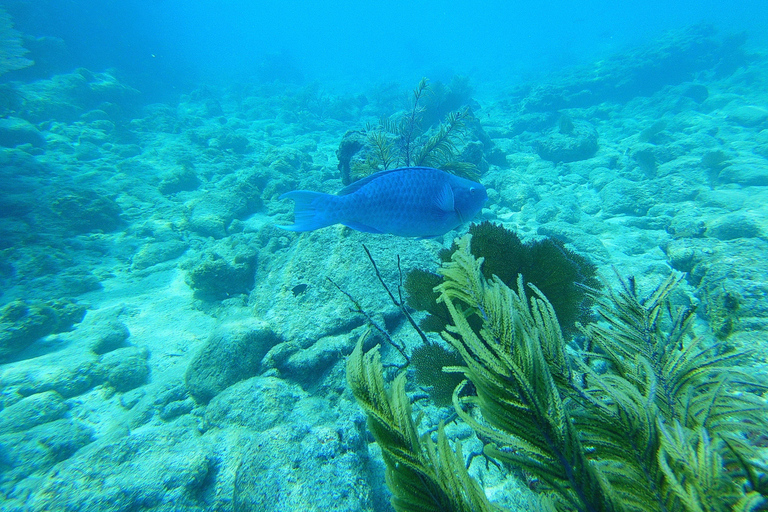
pixel 359 309
pixel 400 304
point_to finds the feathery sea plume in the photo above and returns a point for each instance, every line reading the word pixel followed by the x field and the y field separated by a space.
pixel 648 417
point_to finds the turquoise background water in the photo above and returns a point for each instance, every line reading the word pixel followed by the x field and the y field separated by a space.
pixel 170 42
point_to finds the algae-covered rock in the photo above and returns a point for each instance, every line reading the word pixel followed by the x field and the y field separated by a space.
pixel 38 449
pixel 674 58
pixel 732 226
pixel 83 211
pixel 32 411
pixel 622 196
pixel 86 151
pixel 570 143
pixel 15 132
pixel 178 180
pixel 697 92
pixel 745 172
pixel 71 374
pixel 232 353
pixel 732 284
pixel 215 278
pixel 258 403
pixel 216 209
pixel 212 216
pixel 125 368
pixel 305 467
pixel 309 365
pixel 108 336
pixel 157 252
pixel 165 468
pixel 65 97
pixel 24 322
pixel 235 142
pixel 748 115
pixel 352 142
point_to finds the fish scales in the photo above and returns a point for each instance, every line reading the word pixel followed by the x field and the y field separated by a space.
pixel 409 201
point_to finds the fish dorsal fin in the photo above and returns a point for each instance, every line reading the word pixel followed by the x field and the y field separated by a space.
pixel 354 187
pixel 444 199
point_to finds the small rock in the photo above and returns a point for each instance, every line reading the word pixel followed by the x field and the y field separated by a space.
pixel 176 409
pixel 71 377
pixel 153 253
pixel 681 255
pixel 130 398
pixel 309 365
pixel 601 176
pixel 748 115
pixel 730 227
pixel 125 368
pixel 622 196
pixel 258 403
pixel 85 210
pixel 15 132
pixel 216 209
pixel 108 337
pixel 38 449
pixel 181 179
pixel 126 150
pixel 32 411
pixel 746 173
pixel 215 278
pixel 232 353
pixel 86 151
pixel 697 92
pixel 578 142
pixel 22 322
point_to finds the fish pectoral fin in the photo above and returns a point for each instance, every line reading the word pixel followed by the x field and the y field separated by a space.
pixel 444 199
pixel 358 226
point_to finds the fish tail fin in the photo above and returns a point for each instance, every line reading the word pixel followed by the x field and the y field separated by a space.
pixel 311 210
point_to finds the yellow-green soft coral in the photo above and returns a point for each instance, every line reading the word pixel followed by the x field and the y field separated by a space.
pixel 421 475
pixel 664 426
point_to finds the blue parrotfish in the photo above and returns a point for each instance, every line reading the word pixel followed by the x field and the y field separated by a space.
pixel 409 201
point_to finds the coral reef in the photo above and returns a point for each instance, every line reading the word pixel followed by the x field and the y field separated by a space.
pixel 99 417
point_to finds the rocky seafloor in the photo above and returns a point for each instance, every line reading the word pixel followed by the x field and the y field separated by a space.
pixel 164 346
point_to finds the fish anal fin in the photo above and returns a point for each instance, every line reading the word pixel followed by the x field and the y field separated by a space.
pixel 359 226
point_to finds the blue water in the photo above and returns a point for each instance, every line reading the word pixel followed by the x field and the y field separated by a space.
pixel 165 346
pixel 167 43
